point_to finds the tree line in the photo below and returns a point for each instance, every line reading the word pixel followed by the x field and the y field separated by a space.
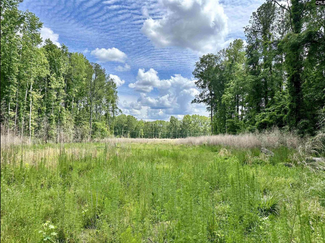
pixel 50 93
pixel 190 125
pixel 47 91
pixel 276 78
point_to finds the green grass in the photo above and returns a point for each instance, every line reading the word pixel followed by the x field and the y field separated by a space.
pixel 158 193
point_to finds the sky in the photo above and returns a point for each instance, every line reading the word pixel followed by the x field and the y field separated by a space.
pixel 149 48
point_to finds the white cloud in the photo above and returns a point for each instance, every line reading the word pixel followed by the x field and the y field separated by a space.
pixel 109 55
pixel 85 51
pixel 47 33
pixel 162 102
pixel 124 68
pixel 174 98
pixel 239 14
pixel 145 12
pixel 110 1
pixel 117 80
pixel 199 25
pixel 146 81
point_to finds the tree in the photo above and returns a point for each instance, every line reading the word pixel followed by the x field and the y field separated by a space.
pixel 173 127
pixel 235 91
pixel 204 72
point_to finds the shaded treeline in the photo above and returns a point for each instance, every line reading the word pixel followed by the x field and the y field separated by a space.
pixel 277 78
pixel 129 126
pixel 46 91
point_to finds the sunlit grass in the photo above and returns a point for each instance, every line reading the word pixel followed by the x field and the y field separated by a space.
pixel 123 192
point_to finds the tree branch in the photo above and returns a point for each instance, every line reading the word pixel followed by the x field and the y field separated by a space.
pixel 285 8
pixel 281 6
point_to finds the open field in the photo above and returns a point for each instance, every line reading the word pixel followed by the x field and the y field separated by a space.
pixel 158 192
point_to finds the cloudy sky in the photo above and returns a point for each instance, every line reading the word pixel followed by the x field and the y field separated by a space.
pixel 148 47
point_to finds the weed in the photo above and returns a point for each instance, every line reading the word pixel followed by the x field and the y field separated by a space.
pixel 48 232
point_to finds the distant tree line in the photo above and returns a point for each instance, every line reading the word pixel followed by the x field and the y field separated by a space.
pixel 277 78
pixel 49 92
pixel 129 126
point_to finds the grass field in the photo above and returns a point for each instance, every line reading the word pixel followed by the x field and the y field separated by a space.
pixel 142 192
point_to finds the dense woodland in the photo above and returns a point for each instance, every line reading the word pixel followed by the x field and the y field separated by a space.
pixel 46 91
pixel 276 78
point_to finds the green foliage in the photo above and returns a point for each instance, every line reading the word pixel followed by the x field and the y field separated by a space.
pixel 47 92
pixel 157 192
pixel 277 79
pixel 129 126
pixel 127 237
pixel 99 130
pixel 48 232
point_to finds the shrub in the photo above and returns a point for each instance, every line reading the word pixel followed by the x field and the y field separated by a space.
pixel 99 130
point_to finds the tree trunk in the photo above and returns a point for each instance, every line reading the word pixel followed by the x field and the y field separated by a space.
pixel 211 122
pixel 23 118
pixel 30 111
pixel 16 112
pixel 8 117
pixel 91 113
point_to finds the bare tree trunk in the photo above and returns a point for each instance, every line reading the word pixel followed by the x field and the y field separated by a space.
pixel 30 111
pixel 16 112
pixel 91 105
pixel 8 117
pixel 23 118
pixel 211 121
pixel 91 116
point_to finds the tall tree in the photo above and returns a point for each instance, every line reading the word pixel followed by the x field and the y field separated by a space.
pixel 204 72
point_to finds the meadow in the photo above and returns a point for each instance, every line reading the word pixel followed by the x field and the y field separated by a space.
pixel 159 192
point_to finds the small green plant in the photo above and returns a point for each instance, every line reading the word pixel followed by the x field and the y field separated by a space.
pixel 48 232
pixel 268 206
pixel 128 237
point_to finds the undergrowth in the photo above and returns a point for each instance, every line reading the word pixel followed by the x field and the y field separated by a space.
pixel 158 193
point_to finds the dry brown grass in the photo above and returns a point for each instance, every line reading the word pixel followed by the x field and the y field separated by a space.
pixel 135 140
pixel 272 139
pixel 11 139
pixel 50 155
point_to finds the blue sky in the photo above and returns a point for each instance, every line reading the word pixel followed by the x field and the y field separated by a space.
pixel 149 47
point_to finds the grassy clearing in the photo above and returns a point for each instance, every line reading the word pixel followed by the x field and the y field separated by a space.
pixel 144 192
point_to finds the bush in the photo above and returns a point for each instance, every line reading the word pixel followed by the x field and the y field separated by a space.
pixel 99 130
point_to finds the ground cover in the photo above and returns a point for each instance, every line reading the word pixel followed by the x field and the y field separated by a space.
pixel 143 192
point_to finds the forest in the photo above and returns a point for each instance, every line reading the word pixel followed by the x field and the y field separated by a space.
pixel 46 91
pixel 276 78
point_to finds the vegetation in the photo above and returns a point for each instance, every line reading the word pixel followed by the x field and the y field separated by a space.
pixel 276 79
pixel 259 186
pixel 48 92
pixel 145 192
pixel 129 126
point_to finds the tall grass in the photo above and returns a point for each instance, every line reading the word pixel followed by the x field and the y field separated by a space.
pixel 269 139
pixel 10 139
pixel 142 192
